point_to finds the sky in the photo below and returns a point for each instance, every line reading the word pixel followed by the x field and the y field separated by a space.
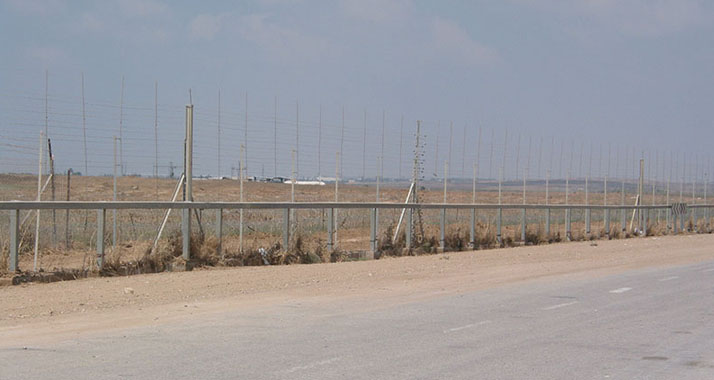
pixel 548 84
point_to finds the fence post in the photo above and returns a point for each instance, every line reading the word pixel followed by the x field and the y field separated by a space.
pixel 219 231
pixel 523 226
pixel 587 221
pixel 442 230
pixel 101 217
pixel 547 222
pixel 330 230
pixel 286 229
pixel 472 233
pixel 499 220
pixel 373 230
pixel 675 226
pixel 607 222
pixel 186 233
pixel 645 216
pixel 568 231
pixel 14 239
pixel 623 219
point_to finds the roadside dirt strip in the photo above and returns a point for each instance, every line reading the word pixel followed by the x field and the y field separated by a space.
pixel 48 312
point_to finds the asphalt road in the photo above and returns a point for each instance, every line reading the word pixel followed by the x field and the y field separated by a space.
pixel 644 324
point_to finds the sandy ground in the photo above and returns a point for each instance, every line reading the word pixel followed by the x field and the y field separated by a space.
pixel 62 310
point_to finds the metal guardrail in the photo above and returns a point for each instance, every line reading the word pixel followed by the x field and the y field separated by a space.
pixel 15 206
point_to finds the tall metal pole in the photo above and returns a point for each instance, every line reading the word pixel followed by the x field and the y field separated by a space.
pixel 296 151
pixel 156 137
pixel 114 198
pixel 241 176
pixel 401 133
pixel 319 145
pixel 463 153
pixel 364 145
pixel 218 146
pixel 275 138
pixel 39 198
pixel 84 130
pixel 121 126
pixel 189 153
pixel 245 135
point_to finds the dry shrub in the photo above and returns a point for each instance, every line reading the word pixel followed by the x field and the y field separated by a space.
pixel 455 241
pixel 535 237
pixel 385 245
pixel 554 238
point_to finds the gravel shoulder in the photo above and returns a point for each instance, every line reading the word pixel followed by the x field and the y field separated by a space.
pixel 48 312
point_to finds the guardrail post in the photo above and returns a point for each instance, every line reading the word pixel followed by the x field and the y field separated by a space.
pixel 607 222
pixel 101 217
pixel 286 229
pixel 373 230
pixel 186 233
pixel 499 221
pixel 547 223
pixel 675 226
pixel 523 226
pixel 442 230
pixel 472 232
pixel 219 232
pixel 14 239
pixel 408 228
pixel 587 221
pixel 668 214
pixel 568 231
pixel 623 219
pixel 330 230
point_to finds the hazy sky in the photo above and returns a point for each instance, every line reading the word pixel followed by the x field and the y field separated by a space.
pixel 637 74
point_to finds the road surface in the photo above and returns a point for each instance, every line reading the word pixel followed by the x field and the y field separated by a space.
pixel 655 323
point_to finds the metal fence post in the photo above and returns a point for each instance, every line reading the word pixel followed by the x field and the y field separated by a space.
pixel 547 222
pixel 645 216
pixel 499 220
pixel 607 222
pixel 101 217
pixel 330 230
pixel 523 226
pixel 14 239
pixel 587 221
pixel 373 230
pixel 623 219
pixel 219 232
pixel 286 229
pixel 442 230
pixel 186 232
pixel 675 226
pixel 568 231
pixel 472 232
